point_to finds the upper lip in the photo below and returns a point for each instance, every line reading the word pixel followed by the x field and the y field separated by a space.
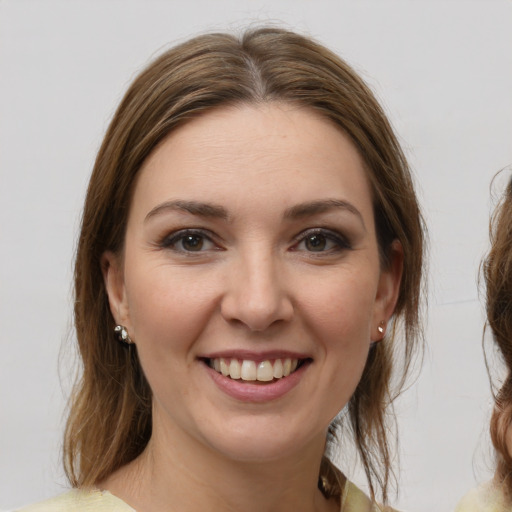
pixel 255 355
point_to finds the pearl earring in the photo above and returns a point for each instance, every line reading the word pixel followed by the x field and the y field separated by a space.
pixel 122 335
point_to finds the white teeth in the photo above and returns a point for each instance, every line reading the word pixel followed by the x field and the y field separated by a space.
pixel 234 369
pixel 278 369
pixel 264 371
pixel 224 368
pixel 287 367
pixel 248 370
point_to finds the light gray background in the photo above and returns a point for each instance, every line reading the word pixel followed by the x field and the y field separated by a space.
pixel 443 70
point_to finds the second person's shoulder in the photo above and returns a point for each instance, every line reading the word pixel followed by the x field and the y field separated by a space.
pixel 487 497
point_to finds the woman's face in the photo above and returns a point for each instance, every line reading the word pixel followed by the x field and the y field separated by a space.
pixel 251 253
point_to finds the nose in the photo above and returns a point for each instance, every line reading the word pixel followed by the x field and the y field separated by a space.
pixel 256 294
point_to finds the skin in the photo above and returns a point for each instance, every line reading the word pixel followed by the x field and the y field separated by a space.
pixel 270 275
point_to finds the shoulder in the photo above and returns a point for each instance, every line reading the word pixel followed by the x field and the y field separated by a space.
pixel 355 500
pixel 78 500
pixel 487 497
pixel 352 499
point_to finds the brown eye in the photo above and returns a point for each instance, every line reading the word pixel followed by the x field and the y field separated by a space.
pixel 321 240
pixel 315 243
pixel 187 241
pixel 192 242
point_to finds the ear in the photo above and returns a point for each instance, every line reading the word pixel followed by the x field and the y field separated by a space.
pixel 388 291
pixel 113 276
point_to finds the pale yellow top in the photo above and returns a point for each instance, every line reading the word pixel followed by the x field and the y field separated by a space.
pixel 485 498
pixel 78 500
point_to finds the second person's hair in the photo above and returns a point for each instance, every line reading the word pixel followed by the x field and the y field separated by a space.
pixel 498 280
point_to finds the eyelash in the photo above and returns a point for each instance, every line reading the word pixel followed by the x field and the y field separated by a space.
pixel 171 241
pixel 340 242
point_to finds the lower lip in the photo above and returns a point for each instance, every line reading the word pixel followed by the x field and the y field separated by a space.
pixel 250 391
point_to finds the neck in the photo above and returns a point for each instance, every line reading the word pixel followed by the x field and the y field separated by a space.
pixel 184 475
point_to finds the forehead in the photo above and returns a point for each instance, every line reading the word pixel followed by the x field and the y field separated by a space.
pixel 271 151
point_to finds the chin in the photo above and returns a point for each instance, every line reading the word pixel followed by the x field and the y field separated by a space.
pixel 265 444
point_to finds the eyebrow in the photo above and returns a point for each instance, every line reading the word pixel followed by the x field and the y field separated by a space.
pixel 322 206
pixel 219 212
pixel 192 207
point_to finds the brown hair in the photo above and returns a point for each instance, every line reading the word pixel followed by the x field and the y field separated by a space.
pixel 498 279
pixel 110 416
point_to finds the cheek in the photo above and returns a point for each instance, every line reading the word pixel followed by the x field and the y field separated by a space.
pixel 167 309
pixel 342 307
pixel 340 319
pixel 168 313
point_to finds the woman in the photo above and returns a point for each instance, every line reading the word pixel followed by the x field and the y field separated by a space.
pixel 252 237
pixel 496 496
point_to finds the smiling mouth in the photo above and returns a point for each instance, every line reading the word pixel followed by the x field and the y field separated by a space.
pixel 249 370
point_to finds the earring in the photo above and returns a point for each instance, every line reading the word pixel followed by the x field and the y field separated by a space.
pixel 122 335
pixel 381 327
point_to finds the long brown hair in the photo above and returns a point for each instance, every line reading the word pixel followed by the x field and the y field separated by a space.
pixel 498 280
pixel 110 415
